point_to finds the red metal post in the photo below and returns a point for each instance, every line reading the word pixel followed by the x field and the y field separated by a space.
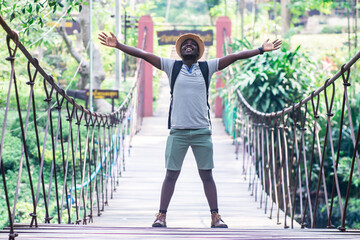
pixel 146 22
pixel 223 28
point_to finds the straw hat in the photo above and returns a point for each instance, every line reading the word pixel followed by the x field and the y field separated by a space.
pixel 194 37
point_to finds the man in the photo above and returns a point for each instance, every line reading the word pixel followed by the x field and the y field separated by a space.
pixel 189 121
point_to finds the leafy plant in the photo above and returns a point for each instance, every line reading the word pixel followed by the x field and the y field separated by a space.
pixel 300 8
pixel 274 80
pixel 332 29
pixel 30 13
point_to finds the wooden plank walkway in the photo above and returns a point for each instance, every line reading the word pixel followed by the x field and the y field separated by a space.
pixel 93 232
pixel 136 201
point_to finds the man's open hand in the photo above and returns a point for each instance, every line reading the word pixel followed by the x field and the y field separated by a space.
pixel 271 46
pixel 108 41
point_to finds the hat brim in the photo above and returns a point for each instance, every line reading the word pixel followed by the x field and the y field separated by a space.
pixel 194 37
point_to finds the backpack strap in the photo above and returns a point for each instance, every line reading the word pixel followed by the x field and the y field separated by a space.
pixel 204 67
pixel 175 72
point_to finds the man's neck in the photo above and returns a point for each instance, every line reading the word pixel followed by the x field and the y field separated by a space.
pixel 189 62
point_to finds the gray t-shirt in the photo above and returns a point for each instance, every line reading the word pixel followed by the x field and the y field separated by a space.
pixel 189 96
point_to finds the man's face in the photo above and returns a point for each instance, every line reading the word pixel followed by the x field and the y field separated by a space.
pixel 189 49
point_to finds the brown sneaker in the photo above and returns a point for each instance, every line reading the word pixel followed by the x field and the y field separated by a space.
pixel 160 220
pixel 216 221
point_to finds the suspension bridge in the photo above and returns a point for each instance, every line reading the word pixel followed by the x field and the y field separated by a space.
pixel 106 170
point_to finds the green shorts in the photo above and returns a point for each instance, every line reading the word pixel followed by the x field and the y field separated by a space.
pixel 178 143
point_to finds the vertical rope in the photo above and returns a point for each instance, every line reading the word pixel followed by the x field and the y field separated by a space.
pixel 342 228
pixel 335 165
pixel 11 58
pixel 83 168
pixel 24 149
pixel 268 164
pixel 91 153
pixel 274 167
pixel 66 168
pixel 303 150
pixel 322 156
pixel 59 108
pixel 314 133
pixel 296 160
pixel 98 161
pixel 42 155
pixel 281 158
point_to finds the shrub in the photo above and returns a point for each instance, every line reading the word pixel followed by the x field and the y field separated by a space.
pixel 332 29
pixel 274 80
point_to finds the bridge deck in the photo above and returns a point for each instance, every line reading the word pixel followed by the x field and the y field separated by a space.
pixel 131 212
pixel 92 232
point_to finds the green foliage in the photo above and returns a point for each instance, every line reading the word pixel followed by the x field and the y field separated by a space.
pixel 33 14
pixel 344 172
pixel 217 10
pixel 224 8
pixel 345 152
pixel 348 4
pixel 274 80
pixel 183 11
pixel 212 3
pixel 11 154
pixel 22 78
pixel 299 7
pixel 142 9
pixel 332 29
pixel 11 159
pixel 352 219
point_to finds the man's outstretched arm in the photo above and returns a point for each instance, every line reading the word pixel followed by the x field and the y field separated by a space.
pixel 111 41
pixel 231 58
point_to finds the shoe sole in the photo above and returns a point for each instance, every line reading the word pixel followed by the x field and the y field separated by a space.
pixel 213 226
pixel 158 225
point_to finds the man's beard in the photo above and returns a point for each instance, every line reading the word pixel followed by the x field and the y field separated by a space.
pixel 190 57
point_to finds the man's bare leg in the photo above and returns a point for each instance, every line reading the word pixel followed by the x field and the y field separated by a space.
pixel 211 196
pixel 167 191
pixel 168 188
pixel 209 188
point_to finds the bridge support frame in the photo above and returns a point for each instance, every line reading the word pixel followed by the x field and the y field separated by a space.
pixel 146 79
pixel 223 30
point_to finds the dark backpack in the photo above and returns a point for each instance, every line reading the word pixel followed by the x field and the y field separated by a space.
pixel 175 72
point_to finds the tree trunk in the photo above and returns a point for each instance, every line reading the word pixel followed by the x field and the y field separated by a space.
pixel 349 40
pixel 225 8
pixel 356 15
pixel 237 11
pixel 275 21
pixel 84 70
pixel 84 65
pixel 242 9
pixel 254 22
pixel 285 17
pixel 98 70
pixel 167 10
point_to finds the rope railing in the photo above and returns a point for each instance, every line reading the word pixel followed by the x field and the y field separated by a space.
pixel 284 157
pixel 82 159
